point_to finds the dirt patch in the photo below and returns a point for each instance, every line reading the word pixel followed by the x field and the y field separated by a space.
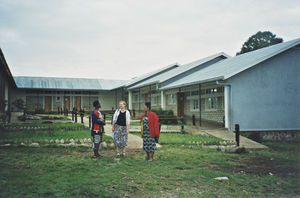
pixel 259 165
pixel 112 153
pixel 106 153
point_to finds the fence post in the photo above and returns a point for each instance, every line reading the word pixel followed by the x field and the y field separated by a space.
pixel 182 123
pixel 76 116
pixel 133 113
pixel 90 122
pixel 58 110
pixel 73 115
pixel 81 115
pixel 194 120
pixel 237 134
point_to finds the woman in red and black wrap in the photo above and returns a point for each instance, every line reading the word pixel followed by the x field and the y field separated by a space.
pixel 149 131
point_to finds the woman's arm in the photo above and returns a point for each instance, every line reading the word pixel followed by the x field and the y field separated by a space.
pixel 127 121
pixel 113 126
pixel 114 121
pixel 127 128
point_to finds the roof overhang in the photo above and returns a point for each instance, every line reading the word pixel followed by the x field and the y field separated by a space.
pixel 193 83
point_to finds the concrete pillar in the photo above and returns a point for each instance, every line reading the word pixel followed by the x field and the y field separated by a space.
pixel 6 96
pixel 162 100
pixel 43 102
pixel 73 102
pixel 130 99
pixel 226 105
pixel 52 103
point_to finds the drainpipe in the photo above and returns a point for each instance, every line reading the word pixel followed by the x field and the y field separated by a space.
pixel 116 99
pixel 130 99
pixel 162 100
pixel 200 119
pixel 227 103
pixel 139 99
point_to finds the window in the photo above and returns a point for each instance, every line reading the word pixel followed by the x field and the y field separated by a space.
pixel 210 91
pixel 195 104
pixel 195 93
pixel 172 99
pixel 135 98
pixel 154 100
pixel 211 103
pixel 57 98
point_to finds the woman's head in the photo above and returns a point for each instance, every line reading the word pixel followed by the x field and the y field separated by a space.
pixel 122 104
pixel 96 104
pixel 147 106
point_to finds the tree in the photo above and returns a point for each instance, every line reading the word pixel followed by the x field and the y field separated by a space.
pixel 259 40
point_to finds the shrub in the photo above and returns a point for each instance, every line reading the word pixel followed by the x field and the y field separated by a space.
pixel 39 110
pixel 165 116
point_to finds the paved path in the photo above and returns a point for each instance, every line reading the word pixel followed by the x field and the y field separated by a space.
pixel 229 135
pixel 134 142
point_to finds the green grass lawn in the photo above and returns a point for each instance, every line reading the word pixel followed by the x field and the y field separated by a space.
pixel 177 171
pixel 184 138
pixel 56 131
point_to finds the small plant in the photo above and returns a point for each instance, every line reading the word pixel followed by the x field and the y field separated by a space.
pixel 39 110
pixel 20 104
pixel 166 116
pixel 183 132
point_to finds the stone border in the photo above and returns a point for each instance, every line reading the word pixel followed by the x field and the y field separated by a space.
pixel 87 142
pixel 43 128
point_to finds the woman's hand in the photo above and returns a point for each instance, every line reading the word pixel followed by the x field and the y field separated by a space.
pixel 113 126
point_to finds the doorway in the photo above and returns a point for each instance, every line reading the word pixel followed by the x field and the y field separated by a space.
pixel 180 104
pixel 48 104
pixel 67 103
pixel 77 102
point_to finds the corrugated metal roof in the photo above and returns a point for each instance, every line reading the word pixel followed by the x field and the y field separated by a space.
pixel 151 74
pixel 229 67
pixel 67 83
pixel 178 70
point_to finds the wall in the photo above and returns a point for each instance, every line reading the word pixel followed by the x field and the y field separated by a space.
pixel 214 116
pixel 266 96
pixel 33 101
pixel 3 82
pixel 145 94
pixel 169 106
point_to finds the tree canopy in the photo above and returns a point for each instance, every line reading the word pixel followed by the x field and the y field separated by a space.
pixel 259 40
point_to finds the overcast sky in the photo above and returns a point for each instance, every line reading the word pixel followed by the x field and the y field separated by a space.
pixel 121 39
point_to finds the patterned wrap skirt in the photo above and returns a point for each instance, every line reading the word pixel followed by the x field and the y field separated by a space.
pixel 120 136
pixel 149 144
pixel 97 139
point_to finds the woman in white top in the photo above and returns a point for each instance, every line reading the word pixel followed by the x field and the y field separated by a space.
pixel 120 127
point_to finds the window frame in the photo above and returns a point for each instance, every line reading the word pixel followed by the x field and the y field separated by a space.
pixel 208 105
pixel 172 100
